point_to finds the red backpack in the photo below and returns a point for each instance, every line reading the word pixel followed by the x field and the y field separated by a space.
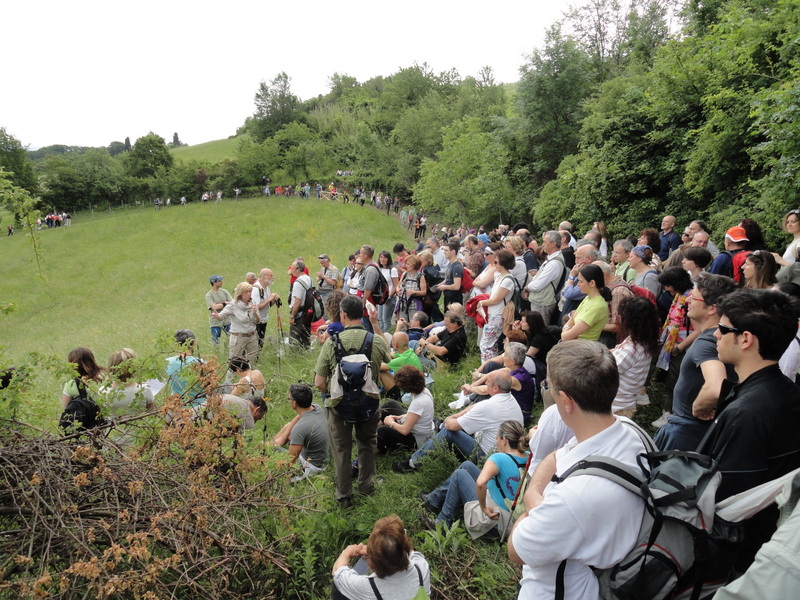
pixel 466 282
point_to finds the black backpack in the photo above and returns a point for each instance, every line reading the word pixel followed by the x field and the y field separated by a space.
pixel 352 382
pixel 81 412
pixel 313 304
pixel 380 293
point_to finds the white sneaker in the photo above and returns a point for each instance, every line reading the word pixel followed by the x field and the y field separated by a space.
pixel 662 420
pixel 643 400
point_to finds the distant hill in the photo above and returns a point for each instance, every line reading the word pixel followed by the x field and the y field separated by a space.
pixel 211 152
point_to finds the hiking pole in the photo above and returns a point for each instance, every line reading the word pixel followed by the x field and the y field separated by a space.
pixel 513 507
pixel 280 332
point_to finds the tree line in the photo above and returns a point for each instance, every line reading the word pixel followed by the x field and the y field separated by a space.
pixel 630 110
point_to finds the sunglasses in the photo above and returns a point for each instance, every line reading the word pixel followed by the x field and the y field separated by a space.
pixel 726 329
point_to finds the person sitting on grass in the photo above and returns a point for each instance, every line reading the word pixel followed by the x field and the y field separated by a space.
pixel 472 431
pixel 448 346
pixel 251 382
pixel 523 385
pixel 402 355
pixel 410 429
pixel 500 476
pixel 246 411
pixel 306 434
pixel 180 370
pixel 398 572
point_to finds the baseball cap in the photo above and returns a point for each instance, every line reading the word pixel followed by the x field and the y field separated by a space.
pixel 737 234
pixel 184 335
pixel 484 238
pixel 214 278
pixel 324 257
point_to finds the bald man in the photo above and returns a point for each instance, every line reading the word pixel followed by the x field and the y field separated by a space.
pixel 670 240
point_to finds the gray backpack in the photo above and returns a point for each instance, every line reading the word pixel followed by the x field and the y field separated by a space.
pixel 682 551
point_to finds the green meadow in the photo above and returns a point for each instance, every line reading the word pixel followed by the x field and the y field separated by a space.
pixel 212 152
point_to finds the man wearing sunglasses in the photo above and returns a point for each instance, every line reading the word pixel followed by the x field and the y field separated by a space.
pixel 702 372
pixel 755 437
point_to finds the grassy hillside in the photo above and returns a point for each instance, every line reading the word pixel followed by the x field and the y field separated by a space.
pixel 131 278
pixel 211 152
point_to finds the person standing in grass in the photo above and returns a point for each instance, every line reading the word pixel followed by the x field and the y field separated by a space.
pixel 217 298
pixel 244 318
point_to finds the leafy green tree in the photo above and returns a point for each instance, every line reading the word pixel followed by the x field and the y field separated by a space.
pixel 467 180
pixel 148 157
pixel 74 181
pixel 555 83
pixel 16 163
pixel 116 148
pixel 276 106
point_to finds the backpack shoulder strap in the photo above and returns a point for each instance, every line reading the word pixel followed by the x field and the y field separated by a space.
pixel 366 345
pixel 338 348
pixel 374 588
pixel 608 468
pixel 419 574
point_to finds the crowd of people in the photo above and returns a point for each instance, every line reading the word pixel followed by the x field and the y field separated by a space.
pixel 576 325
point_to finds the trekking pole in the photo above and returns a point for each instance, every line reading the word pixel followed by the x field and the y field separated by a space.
pixel 513 507
pixel 280 332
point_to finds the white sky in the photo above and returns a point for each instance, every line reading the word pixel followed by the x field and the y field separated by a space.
pixel 88 72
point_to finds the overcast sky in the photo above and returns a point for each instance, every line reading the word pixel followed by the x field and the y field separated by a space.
pixel 89 72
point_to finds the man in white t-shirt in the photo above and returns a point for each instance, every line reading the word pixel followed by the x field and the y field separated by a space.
pixel 472 431
pixel 264 298
pixel 299 318
pixel 583 521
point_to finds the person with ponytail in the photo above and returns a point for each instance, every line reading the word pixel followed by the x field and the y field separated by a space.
pixel 587 322
pixel 487 492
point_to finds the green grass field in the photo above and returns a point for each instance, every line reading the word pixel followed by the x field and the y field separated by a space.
pixel 208 152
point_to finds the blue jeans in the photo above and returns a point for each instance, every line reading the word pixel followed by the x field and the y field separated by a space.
pixel 217 331
pixel 464 443
pixel 459 489
pixel 385 314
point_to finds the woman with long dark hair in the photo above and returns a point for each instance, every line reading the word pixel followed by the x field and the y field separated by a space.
pixel 389 272
pixel 759 270
pixel 591 316
pixel 88 372
pixel 638 327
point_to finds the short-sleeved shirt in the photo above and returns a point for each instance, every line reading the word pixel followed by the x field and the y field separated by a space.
pixel 409 357
pixel 218 297
pixel 593 312
pixel 506 282
pixel 352 337
pixel 587 521
pixel 368 277
pixel 484 419
pixel 633 363
pixel 544 343
pixel 311 432
pixel 454 271
pixel 180 373
pixel 399 586
pixel 505 483
pixel 300 288
pixel 331 272
pixel 422 405
pixel 703 349
pixel 456 344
